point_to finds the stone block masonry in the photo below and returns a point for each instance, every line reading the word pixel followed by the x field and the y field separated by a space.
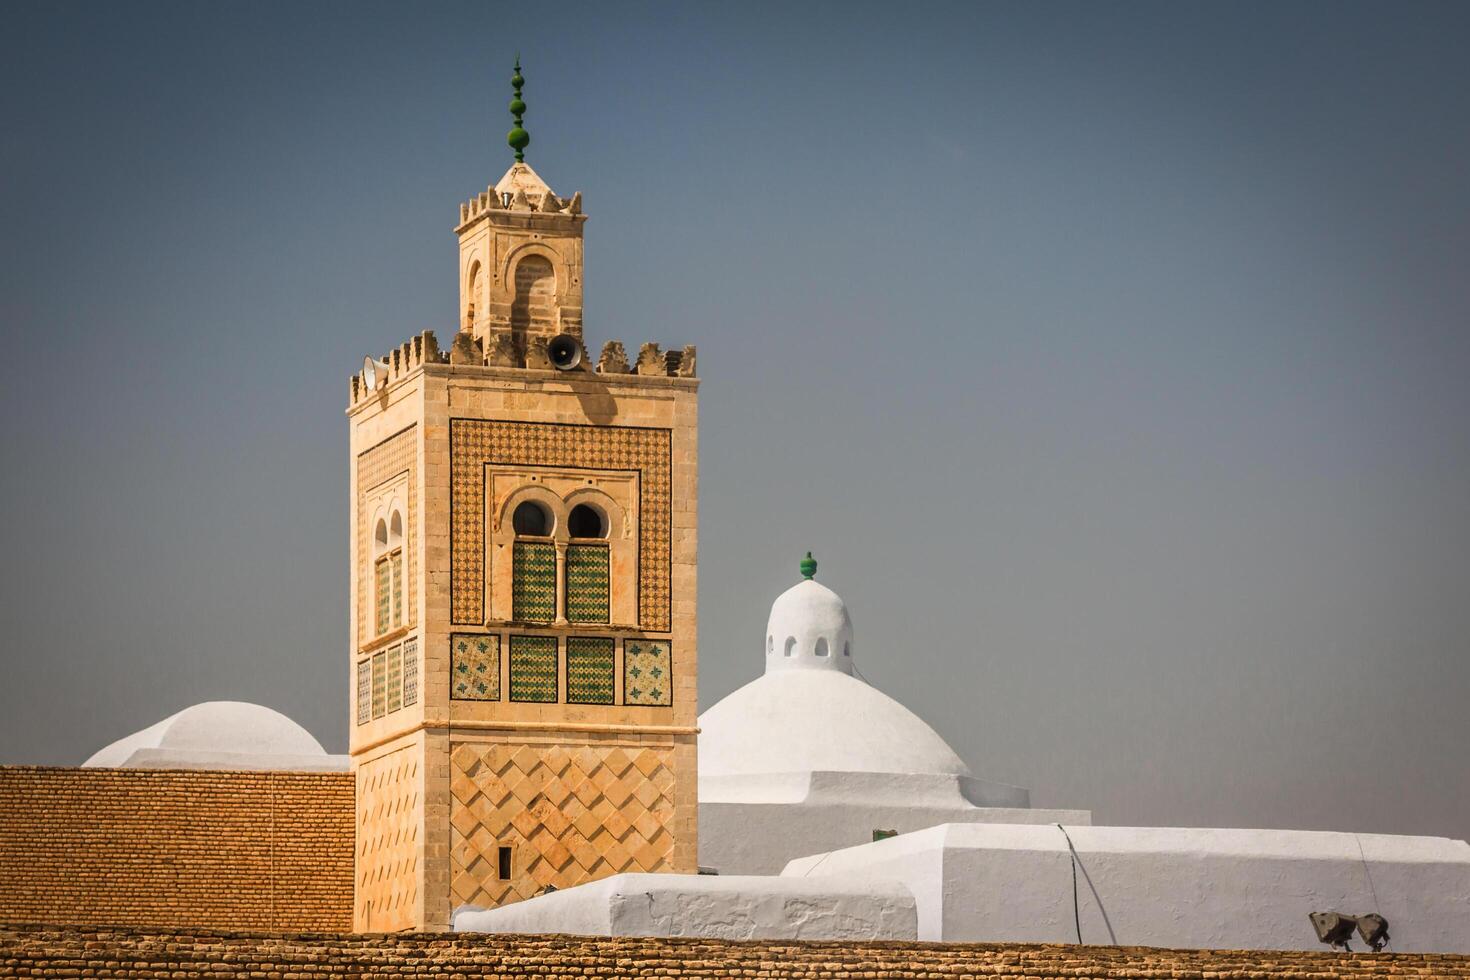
pixel 176 849
pixel 35 952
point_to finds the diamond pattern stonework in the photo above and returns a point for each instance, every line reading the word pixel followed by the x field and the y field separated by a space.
pixel 572 812
pixel 474 667
pixel 647 672
pixel 476 442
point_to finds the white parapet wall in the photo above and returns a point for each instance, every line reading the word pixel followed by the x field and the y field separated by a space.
pixel 753 825
pixel 1177 887
pixel 710 907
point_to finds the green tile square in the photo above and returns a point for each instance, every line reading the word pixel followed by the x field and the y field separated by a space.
pixel 533 668
pixel 589 670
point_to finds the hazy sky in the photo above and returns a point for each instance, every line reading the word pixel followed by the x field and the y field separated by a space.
pixel 1113 359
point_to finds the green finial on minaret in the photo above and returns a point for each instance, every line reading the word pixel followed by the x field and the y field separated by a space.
pixel 808 566
pixel 518 138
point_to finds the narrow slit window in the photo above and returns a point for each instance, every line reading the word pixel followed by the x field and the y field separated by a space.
pixel 503 864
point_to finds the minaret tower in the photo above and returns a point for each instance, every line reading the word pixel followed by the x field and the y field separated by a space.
pixel 523 658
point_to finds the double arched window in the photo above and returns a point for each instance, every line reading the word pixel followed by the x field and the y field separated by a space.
pixel 388 572
pixel 560 563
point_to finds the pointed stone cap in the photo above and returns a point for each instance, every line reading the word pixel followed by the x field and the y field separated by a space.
pixel 520 177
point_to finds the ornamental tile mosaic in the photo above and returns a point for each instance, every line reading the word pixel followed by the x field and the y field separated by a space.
pixel 647 672
pixel 533 588
pixel 395 678
pixel 410 672
pixel 533 668
pixel 589 670
pixel 474 667
pixel 393 457
pixel 380 684
pixel 588 597
pixel 364 691
pixel 474 443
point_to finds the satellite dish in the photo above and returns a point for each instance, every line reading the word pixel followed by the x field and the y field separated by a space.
pixel 564 352
pixel 371 376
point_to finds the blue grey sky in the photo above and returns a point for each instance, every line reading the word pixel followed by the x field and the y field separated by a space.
pixel 1112 358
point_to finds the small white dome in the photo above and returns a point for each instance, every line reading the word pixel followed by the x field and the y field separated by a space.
pixel 809 629
pixel 212 731
pixel 808 713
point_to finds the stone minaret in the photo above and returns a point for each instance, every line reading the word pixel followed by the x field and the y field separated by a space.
pixel 523 657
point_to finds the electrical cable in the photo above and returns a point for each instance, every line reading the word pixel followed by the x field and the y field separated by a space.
pixel 1387 941
pixel 1076 906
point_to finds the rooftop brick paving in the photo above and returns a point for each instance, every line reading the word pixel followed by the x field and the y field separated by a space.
pixel 89 952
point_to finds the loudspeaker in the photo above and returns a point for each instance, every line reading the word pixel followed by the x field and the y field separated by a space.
pixel 564 351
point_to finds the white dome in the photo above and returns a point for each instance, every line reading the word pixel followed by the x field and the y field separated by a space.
pixel 808 713
pixel 818 721
pixel 215 731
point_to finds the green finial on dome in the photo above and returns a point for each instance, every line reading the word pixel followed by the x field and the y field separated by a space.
pixel 518 138
pixel 808 566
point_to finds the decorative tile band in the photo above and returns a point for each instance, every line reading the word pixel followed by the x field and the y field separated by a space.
pixel 589 670
pixel 647 672
pixel 410 672
pixel 533 668
pixel 474 443
pixel 474 667
pixel 588 595
pixel 533 587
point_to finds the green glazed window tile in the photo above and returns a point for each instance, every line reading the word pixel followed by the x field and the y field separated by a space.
pixel 589 670
pixel 533 668
pixel 533 582
pixel 588 594
pixel 395 678
pixel 380 684
pixel 383 586
pixel 364 691
pixel 410 672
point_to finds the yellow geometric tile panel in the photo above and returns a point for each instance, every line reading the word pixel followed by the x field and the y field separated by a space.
pixel 475 442
pixel 380 684
pixel 570 813
pixel 383 576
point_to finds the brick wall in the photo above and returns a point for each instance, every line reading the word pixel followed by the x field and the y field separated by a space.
pixel 99 953
pixel 176 849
